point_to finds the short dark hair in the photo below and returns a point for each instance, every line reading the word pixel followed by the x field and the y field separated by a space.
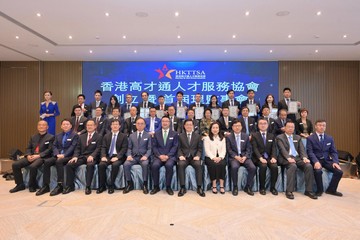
pixel 98 91
pixel 180 92
pixel 289 121
pixel 81 95
pixel 115 120
pixel 188 120
pixel 66 120
pixel 140 118
pixel 91 120
pixel 304 110
pixel 115 108
pixel 262 119
pixel 147 94
pixel 77 106
pixel 236 120
pixel 165 117
pixel 287 89
pixel 245 107
pixel 229 91
pixel 250 90
pixel 161 96
pixel 320 121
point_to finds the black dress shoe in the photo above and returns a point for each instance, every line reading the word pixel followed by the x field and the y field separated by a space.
pixel 289 195
pixel 262 192
pixel 43 190
pixel 155 190
pixel 169 191
pixel 182 192
pixel 338 194
pixel 274 191
pixel 128 188
pixel 249 191
pixel 87 190
pixel 100 190
pixel 111 190
pixel 311 195
pixel 57 190
pixel 68 190
pixel 201 192
pixel 145 189
pixel 32 189
pixel 235 191
pixel 319 194
pixel 17 188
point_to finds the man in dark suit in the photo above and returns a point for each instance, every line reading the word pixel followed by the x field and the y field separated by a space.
pixel 264 155
pixel 165 143
pixel 161 106
pixel 62 151
pixel 101 121
pixel 238 148
pixel 116 116
pixel 280 122
pixel 87 152
pixel 78 122
pixel 139 151
pixel 175 122
pixel 179 101
pixel 323 154
pixel 191 116
pixel 225 122
pixel 248 124
pixel 197 102
pixel 189 153
pixel 39 148
pixel 130 123
pixel 292 155
pixel 97 103
pixel 283 103
pixel 251 100
pixel 271 122
pixel 144 103
pixel 231 101
pixel 113 149
pixel 84 107
pixel 153 123
pixel 125 108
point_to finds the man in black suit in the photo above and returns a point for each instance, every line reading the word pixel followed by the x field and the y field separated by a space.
pixel 165 143
pixel 197 102
pixel 100 121
pixel 39 148
pixel 116 116
pixel 130 123
pixel 78 122
pixel 280 122
pixel 271 122
pixel 225 121
pixel 84 107
pixel 97 103
pixel 86 152
pixel 248 124
pixel 125 108
pixel 292 155
pixel 139 151
pixel 175 122
pixel 62 151
pixel 191 116
pixel 251 100
pixel 113 150
pixel 283 103
pixel 162 106
pixel 264 155
pixel 239 150
pixel 231 101
pixel 189 153
pixel 145 102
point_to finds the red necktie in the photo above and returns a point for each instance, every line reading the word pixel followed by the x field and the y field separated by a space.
pixel 89 139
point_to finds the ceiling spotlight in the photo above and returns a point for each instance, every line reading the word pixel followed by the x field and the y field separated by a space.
pixel 225 51
pixel 177 14
pixel 345 36
pixel 180 51
pixel 318 13
pixel 289 36
pixel 17 37
pixel 46 51
pixel 271 51
pixel 70 37
pixel 90 51
pixel 247 13
pixel 282 13
pixel 135 51
pixel 178 36
pixel 124 37
pixel 316 51
pixel 38 14
pixel 234 36
pixel 107 14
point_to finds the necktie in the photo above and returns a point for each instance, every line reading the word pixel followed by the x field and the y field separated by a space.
pixel 112 145
pixel 264 140
pixel 179 104
pixel 238 144
pixel 97 120
pixel 189 138
pixel 63 142
pixel 232 102
pixel 165 137
pixel 247 126
pixel 145 104
pixel 89 139
pixel 283 122
pixel 139 138
pixel 128 107
pixel 292 147
pixel 197 105
pixel 251 101
pixel 76 124
pixel 321 138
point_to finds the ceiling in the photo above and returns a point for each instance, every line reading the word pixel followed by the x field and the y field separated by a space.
pixel 204 30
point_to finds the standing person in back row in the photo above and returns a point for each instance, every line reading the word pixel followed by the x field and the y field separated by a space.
pixel 284 103
pixel 49 110
pixel 97 103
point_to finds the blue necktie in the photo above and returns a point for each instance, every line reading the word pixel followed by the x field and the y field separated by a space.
pixel 264 140
pixel 321 138
pixel 112 145
pixel 63 142
pixel 238 143
pixel 292 147
pixel 247 126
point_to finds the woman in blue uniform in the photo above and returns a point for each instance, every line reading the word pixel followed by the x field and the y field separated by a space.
pixel 48 111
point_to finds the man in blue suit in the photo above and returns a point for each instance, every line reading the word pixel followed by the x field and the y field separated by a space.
pixel 323 154
pixel 165 144
pixel 239 149
pixel 152 123
pixel 63 150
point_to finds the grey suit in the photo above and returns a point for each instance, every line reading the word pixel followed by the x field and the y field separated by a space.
pixel 284 149
pixel 138 149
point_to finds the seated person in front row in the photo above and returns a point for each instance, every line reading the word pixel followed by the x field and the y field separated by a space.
pixel 323 154
pixel 113 149
pixel 62 151
pixel 139 152
pixel 226 122
pixel 239 150
pixel 87 152
pixel 38 149
pixel 153 123
pixel 189 153
pixel 292 155
pixel 264 155
pixel 165 144
pixel 78 122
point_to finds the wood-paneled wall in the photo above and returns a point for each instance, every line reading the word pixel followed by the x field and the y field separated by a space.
pixel 330 91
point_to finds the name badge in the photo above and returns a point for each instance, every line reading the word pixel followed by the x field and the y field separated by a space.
pixel 155 121
pixel 251 124
pixel 81 123
pixel 242 141
pixel 295 141
pixel 272 122
pixel 69 139
pixel 229 121
pixel 171 138
pixel 328 144
pixel 270 140
pixel 46 143
pixel 101 122
pixel 175 122
pixel 145 139
pixel 93 142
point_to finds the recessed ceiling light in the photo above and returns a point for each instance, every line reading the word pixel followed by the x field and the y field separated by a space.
pixel 345 36
pixel 38 14
pixel 70 37
pixel 124 37
pixel 90 51
pixel 107 14
pixel 135 51
pixel 180 51
pixel 234 36
pixel 289 36
pixel 17 37
pixel 46 51
pixel 177 14
pixel 97 37
pixel 282 13
pixel 316 51
pixel 318 13
pixel 142 14
pixel 225 51
pixel 247 13
pixel 316 36
pixel 178 36
pixel 271 51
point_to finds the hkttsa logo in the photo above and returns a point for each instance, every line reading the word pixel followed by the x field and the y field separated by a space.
pixel 164 72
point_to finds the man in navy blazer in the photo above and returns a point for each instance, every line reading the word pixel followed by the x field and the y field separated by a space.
pixel 179 101
pixel 239 150
pixel 280 122
pixel 125 108
pixel 165 144
pixel 231 101
pixel 323 154
pixel 62 151
pixel 248 124
pixel 251 100
pixel 152 123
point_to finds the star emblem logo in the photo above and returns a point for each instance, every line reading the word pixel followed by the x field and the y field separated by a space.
pixel 164 72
